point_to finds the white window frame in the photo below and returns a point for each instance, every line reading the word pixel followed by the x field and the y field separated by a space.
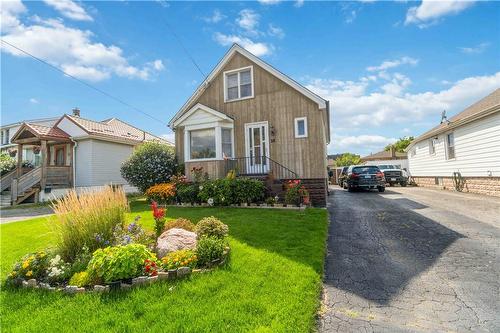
pixel 296 121
pixel 218 141
pixel 447 147
pixel 432 146
pixel 226 73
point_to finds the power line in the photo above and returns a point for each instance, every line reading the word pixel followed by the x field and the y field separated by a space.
pixel 85 83
pixel 184 48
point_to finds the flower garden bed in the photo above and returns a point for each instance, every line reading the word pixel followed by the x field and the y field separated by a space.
pixel 98 252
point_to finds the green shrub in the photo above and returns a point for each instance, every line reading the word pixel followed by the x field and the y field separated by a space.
pixel 209 249
pixel 80 279
pixel 88 219
pixel 211 227
pixel 119 262
pixel 188 193
pixel 180 223
pixel 181 258
pixel 31 266
pixel 7 163
pixel 232 191
pixel 151 163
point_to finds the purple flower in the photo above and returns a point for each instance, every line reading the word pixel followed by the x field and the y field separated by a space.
pixel 131 226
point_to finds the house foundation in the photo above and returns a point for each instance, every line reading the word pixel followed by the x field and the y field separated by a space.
pixel 479 185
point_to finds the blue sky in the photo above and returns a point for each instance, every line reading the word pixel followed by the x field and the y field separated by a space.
pixel 388 68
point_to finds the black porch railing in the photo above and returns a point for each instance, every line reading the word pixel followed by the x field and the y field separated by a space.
pixel 258 166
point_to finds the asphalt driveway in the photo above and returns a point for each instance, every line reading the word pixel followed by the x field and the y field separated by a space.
pixel 412 260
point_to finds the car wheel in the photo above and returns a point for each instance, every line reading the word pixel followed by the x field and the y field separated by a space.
pixel 403 184
pixel 381 188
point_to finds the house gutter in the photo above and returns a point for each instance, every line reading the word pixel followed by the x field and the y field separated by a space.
pixel 73 162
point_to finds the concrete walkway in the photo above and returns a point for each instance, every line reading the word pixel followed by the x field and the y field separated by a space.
pixel 412 260
pixel 21 214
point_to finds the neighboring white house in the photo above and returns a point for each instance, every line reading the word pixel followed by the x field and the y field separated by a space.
pixel 8 131
pixel 467 143
pixel 73 152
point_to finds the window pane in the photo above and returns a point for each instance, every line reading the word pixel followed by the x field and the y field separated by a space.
pixel 232 80
pixel 59 157
pixel 202 143
pixel 301 127
pixel 232 93
pixel 227 143
pixel 451 140
pixel 245 77
pixel 246 90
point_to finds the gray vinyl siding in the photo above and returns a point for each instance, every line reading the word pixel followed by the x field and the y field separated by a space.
pixel 477 151
pixel 98 162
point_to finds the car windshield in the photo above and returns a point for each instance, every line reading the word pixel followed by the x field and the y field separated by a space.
pixel 366 169
pixel 386 166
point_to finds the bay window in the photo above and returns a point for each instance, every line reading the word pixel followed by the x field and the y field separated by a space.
pixel 213 143
pixel 202 143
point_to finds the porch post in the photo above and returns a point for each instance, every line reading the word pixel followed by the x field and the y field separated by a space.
pixel 19 160
pixel 44 157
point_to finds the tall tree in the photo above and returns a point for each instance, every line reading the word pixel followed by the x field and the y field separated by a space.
pixel 401 144
pixel 347 159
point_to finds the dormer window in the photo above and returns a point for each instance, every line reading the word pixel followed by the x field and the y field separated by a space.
pixel 238 84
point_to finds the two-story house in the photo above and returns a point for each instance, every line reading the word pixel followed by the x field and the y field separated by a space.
pixel 249 117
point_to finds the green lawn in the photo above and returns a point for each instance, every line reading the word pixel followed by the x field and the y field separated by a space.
pixel 271 284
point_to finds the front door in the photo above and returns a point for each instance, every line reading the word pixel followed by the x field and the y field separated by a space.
pixel 257 147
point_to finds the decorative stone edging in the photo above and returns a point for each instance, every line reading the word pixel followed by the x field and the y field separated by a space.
pixel 253 205
pixel 171 274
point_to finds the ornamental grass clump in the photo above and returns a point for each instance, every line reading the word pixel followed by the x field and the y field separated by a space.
pixel 88 220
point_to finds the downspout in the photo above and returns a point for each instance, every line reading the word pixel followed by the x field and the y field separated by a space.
pixel 73 164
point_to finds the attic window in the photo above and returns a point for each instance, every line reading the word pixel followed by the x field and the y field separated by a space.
pixel 238 84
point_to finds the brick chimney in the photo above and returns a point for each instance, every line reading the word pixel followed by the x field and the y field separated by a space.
pixel 76 112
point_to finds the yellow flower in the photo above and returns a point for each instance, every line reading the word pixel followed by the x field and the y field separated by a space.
pixel 26 263
pixel 29 273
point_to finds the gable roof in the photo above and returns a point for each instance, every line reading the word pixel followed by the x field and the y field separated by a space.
pixel 113 128
pixel 199 106
pixel 41 132
pixel 322 103
pixel 482 108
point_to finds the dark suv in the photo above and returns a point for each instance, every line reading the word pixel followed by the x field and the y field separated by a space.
pixel 342 177
pixel 365 176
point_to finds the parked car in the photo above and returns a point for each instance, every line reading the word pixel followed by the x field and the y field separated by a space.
pixel 394 175
pixel 365 176
pixel 342 177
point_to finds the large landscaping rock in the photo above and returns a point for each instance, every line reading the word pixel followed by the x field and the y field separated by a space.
pixel 175 239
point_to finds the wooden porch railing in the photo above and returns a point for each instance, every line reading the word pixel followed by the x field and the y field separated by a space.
pixel 26 181
pixel 260 166
pixel 6 180
pixel 58 176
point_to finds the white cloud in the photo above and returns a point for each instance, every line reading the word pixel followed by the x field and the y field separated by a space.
pixel 430 11
pixel 248 20
pixel 216 17
pixel 9 13
pixel 34 101
pixel 69 9
pixel 480 48
pixel 275 31
pixel 388 64
pixel 257 48
pixel 71 49
pixel 169 137
pixel 298 3
pixel 357 103
pixel 269 2
pixel 372 143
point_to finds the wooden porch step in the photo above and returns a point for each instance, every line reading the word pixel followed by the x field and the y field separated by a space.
pixel 26 194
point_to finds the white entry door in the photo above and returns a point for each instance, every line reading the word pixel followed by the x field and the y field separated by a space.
pixel 257 147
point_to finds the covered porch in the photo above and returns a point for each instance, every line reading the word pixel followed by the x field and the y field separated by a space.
pixel 54 168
